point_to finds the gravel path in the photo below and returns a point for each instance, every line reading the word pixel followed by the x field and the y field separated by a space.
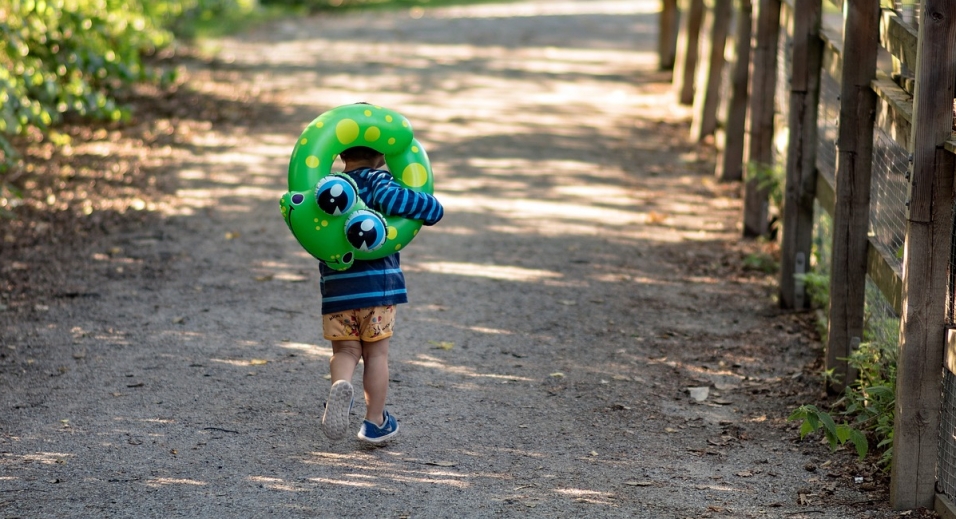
pixel 588 272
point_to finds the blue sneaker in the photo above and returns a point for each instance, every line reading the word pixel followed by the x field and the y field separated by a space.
pixel 374 434
pixel 335 420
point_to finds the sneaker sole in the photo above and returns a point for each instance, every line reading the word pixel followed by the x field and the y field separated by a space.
pixel 380 439
pixel 335 421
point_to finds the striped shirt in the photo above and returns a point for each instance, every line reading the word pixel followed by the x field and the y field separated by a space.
pixel 377 282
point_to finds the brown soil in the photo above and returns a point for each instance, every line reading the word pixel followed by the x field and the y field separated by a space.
pixel 160 353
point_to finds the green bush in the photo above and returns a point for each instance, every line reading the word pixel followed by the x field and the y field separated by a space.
pixel 62 58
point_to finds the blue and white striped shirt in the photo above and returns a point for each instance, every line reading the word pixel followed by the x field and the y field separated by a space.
pixel 377 282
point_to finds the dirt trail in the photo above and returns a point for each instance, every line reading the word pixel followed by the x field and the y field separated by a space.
pixel 587 273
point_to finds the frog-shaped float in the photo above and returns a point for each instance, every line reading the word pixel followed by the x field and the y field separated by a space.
pixel 323 209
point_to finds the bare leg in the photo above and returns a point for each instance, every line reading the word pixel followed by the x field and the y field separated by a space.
pixel 345 356
pixel 335 419
pixel 375 379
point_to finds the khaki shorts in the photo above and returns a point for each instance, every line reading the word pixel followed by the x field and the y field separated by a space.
pixel 362 324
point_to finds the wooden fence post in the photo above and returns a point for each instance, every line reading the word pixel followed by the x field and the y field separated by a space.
pixel 801 153
pixel 669 23
pixel 687 47
pixel 731 162
pixel 851 213
pixel 925 262
pixel 707 92
pixel 763 83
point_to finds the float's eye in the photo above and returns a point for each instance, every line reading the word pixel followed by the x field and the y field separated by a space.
pixel 365 230
pixel 298 198
pixel 335 195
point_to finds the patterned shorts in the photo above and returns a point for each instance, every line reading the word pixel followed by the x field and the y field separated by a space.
pixel 365 324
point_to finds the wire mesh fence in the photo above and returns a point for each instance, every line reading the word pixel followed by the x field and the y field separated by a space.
pixel 888 186
pixel 828 119
pixel 782 92
pixel 946 463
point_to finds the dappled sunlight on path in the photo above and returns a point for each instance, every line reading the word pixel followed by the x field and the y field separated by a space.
pixel 586 274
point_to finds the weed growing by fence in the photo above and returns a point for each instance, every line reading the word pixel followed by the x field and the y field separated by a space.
pixel 868 404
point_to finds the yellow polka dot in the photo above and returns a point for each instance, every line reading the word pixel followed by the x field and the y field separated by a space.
pixel 415 233
pixel 405 124
pixel 304 141
pixel 312 161
pixel 325 223
pixel 319 124
pixel 391 140
pixel 388 118
pixel 347 131
pixel 372 134
pixel 398 246
pixel 414 149
pixel 316 220
pixel 415 175
pixel 392 233
pixel 378 107
pixel 368 113
pixel 317 228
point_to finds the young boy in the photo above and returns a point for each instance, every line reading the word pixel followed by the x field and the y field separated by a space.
pixel 358 305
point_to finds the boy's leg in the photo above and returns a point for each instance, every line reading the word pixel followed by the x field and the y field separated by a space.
pixel 335 419
pixel 375 379
pixel 345 356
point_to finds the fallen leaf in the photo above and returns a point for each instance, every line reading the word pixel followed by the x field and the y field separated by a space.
pixel 745 474
pixel 441 463
pixel 232 235
pixel 593 453
pixel 670 430
pixel 655 217
pixel 639 483
pixel 258 362
pixel 267 277
pixel 442 345
pixel 556 374
pixel 179 320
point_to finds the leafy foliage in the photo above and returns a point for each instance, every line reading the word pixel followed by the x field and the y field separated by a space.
pixel 836 435
pixel 869 400
pixel 62 58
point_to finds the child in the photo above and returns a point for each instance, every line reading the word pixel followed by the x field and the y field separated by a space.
pixel 358 305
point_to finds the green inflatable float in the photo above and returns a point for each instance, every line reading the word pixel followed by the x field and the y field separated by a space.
pixel 323 209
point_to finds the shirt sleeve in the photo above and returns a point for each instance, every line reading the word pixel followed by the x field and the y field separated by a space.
pixel 392 199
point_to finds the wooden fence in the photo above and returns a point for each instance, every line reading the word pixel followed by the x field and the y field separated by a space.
pixel 868 140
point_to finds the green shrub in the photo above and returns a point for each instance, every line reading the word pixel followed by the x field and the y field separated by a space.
pixel 62 58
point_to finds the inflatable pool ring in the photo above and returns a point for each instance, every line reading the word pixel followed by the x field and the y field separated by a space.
pixel 323 209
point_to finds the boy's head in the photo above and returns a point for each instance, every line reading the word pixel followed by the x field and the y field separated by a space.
pixel 363 155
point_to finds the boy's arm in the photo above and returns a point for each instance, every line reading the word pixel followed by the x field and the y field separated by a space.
pixel 394 200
